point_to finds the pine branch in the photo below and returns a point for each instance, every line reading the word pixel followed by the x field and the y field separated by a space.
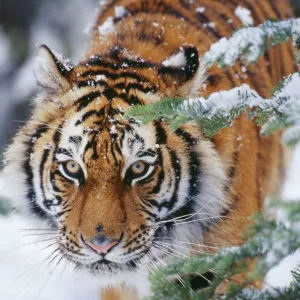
pixel 269 242
pixel 250 43
pixel 222 108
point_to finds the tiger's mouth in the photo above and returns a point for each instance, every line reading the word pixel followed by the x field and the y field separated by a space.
pixel 107 267
pixel 104 265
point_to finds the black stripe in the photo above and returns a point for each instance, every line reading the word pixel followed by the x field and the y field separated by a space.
pixel 149 213
pixel 46 153
pixel 58 173
pixel 49 203
pixel 59 65
pixel 90 113
pixel 113 154
pixel 139 87
pixel 151 202
pixel 194 162
pixel 35 208
pixel 161 174
pixel 177 172
pixel 186 136
pixel 63 151
pixel 147 178
pixel 110 94
pixel 117 65
pixel 95 155
pixel 75 139
pixel 133 100
pixel 65 206
pixel 55 140
pixel 86 116
pixel 122 137
pixel 110 75
pixel 186 72
pixel 58 215
pixel 166 230
pixel 137 64
pixel 148 152
pixel 146 202
pixel 137 139
pixel 86 100
pixel 92 82
pixel 120 85
pixel 161 136
pixel 118 148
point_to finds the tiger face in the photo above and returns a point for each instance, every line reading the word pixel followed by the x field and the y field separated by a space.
pixel 118 193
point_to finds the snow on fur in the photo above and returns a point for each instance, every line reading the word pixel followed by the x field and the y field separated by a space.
pixel 108 26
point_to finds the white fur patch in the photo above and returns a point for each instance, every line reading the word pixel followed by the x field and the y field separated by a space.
pixel 197 84
pixel 177 60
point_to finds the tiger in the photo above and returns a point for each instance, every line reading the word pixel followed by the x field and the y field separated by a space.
pixel 124 195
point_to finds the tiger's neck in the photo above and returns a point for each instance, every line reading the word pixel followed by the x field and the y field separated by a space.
pixel 148 30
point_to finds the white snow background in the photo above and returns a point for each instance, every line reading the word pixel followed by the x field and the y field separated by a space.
pixel 24 273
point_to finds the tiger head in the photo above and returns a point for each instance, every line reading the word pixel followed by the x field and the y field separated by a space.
pixel 117 192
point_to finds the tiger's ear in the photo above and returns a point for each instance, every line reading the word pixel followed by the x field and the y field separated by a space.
pixel 184 71
pixel 51 71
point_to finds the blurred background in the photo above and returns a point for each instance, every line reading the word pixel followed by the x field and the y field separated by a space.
pixel 64 26
pixel 24 25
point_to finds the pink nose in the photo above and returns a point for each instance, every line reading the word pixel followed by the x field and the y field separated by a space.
pixel 102 249
pixel 101 243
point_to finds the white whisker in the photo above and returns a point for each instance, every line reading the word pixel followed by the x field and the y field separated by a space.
pixel 177 246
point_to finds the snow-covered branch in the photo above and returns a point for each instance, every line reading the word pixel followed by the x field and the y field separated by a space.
pixel 250 43
pixel 221 109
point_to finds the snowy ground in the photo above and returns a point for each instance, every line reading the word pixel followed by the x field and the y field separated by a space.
pixel 25 275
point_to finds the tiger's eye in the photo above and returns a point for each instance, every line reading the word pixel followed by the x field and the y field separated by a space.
pixel 73 167
pixel 138 167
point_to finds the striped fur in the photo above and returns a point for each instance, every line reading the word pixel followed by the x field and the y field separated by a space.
pixel 151 50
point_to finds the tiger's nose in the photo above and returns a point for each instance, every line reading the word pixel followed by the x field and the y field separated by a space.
pixel 101 243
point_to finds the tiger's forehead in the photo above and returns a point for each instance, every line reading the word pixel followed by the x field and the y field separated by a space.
pixel 98 134
pixel 134 81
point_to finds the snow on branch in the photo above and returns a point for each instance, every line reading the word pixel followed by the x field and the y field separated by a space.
pixel 250 43
pixel 222 108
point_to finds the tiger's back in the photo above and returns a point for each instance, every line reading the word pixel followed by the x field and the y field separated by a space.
pixel 114 189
